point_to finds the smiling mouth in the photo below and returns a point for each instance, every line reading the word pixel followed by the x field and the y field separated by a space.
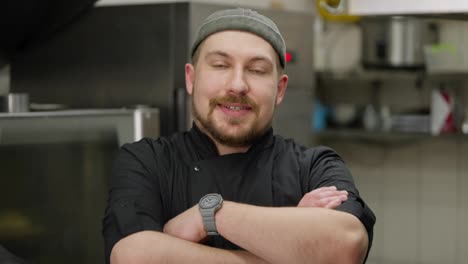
pixel 236 108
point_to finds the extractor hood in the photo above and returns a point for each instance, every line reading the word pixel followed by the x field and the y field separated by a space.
pixel 457 9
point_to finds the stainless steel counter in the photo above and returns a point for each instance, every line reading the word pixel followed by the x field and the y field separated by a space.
pixel 127 125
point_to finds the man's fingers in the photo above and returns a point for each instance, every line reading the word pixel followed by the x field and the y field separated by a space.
pixel 325 194
pixel 332 193
pixel 321 197
pixel 327 200
pixel 324 189
pixel 333 204
pixel 327 188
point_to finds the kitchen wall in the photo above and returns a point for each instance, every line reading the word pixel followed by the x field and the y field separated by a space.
pixel 417 188
pixel 416 184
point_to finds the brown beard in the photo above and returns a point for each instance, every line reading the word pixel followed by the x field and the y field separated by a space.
pixel 240 140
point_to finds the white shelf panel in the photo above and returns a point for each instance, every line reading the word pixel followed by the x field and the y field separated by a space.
pixel 405 7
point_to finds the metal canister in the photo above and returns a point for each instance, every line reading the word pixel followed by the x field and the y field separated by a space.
pixel 15 103
pixel 395 42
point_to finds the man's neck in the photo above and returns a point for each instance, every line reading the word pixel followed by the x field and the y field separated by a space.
pixel 224 150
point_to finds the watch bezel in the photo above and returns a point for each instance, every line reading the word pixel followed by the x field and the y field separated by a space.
pixel 203 203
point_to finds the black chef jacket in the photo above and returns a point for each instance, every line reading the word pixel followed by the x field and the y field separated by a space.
pixel 155 180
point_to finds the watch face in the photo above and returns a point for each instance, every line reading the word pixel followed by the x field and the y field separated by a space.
pixel 210 201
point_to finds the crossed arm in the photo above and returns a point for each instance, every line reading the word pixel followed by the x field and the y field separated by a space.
pixel 308 233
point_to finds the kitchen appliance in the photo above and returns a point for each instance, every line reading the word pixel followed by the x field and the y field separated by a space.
pixel 126 59
pixel 395 42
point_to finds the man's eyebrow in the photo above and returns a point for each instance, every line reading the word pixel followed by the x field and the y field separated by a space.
pixel 226 55
pixel 217 53
pixel 262 58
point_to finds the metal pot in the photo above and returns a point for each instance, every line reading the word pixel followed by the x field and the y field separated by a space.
pixel 395 42
pixel 14 103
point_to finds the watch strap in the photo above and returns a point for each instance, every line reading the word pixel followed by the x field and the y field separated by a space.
pixel 208 206
pixel 209 222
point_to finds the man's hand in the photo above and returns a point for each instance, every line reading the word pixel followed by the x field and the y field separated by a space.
pixel 325 197
pixel 187 225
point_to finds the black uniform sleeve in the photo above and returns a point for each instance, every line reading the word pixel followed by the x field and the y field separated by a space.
pixel 328 169
pixel 134 202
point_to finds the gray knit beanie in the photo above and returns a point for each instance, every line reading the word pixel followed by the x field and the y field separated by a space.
pixel 244 20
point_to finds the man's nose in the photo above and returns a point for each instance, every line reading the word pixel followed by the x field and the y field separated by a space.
pixel 238 82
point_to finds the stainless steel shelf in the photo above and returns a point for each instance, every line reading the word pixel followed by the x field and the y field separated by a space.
pixel 382 136
pixel 390 75
pixel 457 9
pixel 123 125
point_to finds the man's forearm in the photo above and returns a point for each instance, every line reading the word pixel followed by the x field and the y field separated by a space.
pixel 155 247
pixel 294 235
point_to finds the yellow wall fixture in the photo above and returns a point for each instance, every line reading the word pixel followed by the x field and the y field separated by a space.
pixel 330 11
pixel 333 3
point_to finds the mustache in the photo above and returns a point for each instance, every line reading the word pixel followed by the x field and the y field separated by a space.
pixel 242 99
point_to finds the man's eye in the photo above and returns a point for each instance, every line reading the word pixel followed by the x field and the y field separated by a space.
pixel 219 66
pixel 257 71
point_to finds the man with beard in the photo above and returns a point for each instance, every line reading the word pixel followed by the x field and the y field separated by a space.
pixel 228 190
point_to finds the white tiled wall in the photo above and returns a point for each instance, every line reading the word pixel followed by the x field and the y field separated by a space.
pixel 416 186
pixel 462 190
pixel 417 189
pixel 439 208
pixel 400 199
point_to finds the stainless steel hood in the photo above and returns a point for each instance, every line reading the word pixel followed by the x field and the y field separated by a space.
pixel 124 125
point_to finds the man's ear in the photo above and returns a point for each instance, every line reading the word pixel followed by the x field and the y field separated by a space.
pixel 282 85
pixel 189 77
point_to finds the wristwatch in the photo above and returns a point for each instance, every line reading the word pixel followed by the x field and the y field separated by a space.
pixel 208 206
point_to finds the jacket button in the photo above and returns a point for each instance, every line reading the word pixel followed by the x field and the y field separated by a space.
pixel 196 168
